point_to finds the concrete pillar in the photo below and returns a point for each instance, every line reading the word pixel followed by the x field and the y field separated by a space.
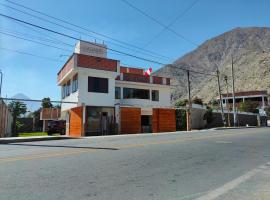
pixel 83 119
pixel 44 126
pixel 263 103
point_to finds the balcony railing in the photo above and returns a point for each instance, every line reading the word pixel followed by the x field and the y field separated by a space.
pixel 143 79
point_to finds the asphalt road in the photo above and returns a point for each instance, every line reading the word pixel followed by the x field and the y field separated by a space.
pixel 223 164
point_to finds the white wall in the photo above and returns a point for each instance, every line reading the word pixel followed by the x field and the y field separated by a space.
pixel 73 97
pixel 92 98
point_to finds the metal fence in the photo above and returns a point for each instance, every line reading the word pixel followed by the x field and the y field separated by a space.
pixel 5 120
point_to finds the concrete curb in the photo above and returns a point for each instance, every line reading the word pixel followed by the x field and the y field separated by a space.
pixel 241 127
pixel 32 139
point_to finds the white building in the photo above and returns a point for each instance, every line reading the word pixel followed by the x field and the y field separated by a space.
pixel 110 98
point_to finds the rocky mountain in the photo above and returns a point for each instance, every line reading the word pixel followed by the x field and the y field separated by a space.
pixel 250 50
pixel 31 106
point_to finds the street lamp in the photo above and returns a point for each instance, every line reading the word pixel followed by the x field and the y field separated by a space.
pixel 227 100
pixel 1 73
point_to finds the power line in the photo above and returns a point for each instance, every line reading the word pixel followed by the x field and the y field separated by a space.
pixel 36 100
pixel 172 22
pixel 72 37
pixel 75 38
pixel 44 34
pixel 80 27
pixel 30 54
pixel 29 40
pixel 17 33
pixel 159 23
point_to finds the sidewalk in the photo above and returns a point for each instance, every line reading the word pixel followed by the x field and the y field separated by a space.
pixel 31 139
pixel 237 127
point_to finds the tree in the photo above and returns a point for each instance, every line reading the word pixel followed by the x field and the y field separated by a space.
pixel 46 103
pixel 182 102
pixel 208 116
pixel 58 106
pixel 16 108
pixel 248 106
pixel 197 100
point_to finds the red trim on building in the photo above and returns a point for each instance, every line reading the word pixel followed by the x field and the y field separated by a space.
pixel 136 78
pixel 157 80
pixel 131 70
pixel 68 66
pixel 93 62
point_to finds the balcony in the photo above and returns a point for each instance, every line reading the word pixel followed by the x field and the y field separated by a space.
pixel 138 78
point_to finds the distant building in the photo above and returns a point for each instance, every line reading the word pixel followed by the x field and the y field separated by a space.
pixel 49 114
pixel 258 97
pixel 111 98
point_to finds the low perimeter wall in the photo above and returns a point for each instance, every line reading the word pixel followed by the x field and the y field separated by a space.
pixel 5 120
pixel 243 119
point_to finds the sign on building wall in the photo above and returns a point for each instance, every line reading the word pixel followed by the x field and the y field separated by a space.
pixel 91 49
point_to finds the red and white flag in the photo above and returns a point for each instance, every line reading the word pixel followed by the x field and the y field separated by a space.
pixel 148 72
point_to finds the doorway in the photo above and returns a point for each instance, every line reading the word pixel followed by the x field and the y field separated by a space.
pixel 104 123
pixel 99 121
pixel 146 123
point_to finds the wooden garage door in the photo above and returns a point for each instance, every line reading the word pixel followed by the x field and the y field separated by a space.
pixel 130 120
pixel 163 120
pixel 76 122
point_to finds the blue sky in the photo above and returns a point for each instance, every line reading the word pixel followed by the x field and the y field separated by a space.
pixel 36 77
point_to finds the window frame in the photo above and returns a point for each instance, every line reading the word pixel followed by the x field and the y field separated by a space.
pixel 63 91
pixel 75 83
pixel 98 88
pixel 115 96
pixel 155 92
pixel 68 88
pixel 134 95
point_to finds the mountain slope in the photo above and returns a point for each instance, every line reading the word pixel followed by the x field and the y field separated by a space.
pixel 250 49
pixel 31 106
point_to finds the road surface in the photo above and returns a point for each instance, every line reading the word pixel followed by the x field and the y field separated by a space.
pixel 214 164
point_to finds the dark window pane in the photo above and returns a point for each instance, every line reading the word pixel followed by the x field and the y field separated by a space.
pixel 63 91
pixel 254 99
pixel 155 95
pixel 99 85
pixel 75 83
pixel 132 93
pixel 117 93
pixel 68 88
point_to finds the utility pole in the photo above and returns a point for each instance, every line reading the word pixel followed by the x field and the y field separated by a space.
pixel 189 105
pixel 227 100
pixel 1 73
pixel 233 93
pixel 220 99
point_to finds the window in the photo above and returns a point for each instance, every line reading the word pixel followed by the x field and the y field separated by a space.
pixel 68 89
pixel 99 85
pixel 117 93
pixel 132 93
pixel 155 95
pixel 75 83
pixel 63 91
pixel 254 99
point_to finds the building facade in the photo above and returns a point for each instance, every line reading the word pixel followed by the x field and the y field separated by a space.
pixel 260 98
pixel 103 97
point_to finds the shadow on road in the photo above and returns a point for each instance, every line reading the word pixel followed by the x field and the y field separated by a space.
pixel 63 146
